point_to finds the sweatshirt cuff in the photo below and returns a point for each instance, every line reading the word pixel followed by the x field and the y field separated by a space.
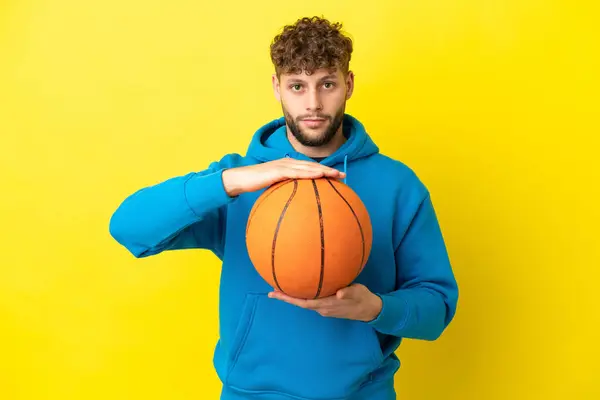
pixel 206 192
pixel 393 315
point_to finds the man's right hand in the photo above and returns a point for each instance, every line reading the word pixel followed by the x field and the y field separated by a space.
pixel 255 177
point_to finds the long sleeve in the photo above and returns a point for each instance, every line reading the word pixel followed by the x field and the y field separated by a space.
pixel 183 212
pixel 426 299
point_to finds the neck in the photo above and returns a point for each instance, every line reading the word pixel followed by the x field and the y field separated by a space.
pixel 319 151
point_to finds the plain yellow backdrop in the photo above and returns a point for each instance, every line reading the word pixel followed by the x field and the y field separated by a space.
pixel 493 103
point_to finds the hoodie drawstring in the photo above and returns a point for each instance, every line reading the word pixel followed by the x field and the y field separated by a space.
pixel 345 167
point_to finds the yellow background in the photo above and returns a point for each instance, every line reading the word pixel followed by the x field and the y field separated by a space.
pixel 493 103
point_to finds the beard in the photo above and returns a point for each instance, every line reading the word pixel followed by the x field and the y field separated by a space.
pixel 314 141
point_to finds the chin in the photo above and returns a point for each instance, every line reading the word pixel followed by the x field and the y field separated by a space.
pixel 314 135
pixel 313 140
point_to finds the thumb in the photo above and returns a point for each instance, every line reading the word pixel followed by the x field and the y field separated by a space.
pixel 345 293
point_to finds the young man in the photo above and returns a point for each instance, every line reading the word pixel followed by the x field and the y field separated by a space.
pixel 271 346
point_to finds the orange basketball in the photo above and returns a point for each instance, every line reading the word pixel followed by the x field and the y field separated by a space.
pixel 309 237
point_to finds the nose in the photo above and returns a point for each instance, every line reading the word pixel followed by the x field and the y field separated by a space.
pixel 314 101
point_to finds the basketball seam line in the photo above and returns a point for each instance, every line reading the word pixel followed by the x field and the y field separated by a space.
pixel 362 236
pixel 262 201
pixel 285 207
pixel 318 199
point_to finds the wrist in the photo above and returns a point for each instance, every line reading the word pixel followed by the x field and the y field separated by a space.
pixel 232 188
pixel 374 308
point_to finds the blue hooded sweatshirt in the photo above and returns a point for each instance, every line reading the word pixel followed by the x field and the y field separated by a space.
pixel 272 350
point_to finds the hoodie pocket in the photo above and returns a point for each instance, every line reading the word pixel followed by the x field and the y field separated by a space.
pixel 278 347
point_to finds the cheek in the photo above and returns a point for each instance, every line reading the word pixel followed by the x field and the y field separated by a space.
pixel 292 104
pixel 336 100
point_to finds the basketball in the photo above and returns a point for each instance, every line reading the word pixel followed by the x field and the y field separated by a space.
pixel 309 238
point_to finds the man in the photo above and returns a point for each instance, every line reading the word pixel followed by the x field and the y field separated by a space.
pixel 272 346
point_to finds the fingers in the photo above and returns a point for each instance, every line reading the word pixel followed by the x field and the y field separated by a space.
pixel 309 173
pixel 304 303
pixel 330 306
pixel 314 167
pixel 313 172
pixel 321 171
pixel 312 304
pixel 349 292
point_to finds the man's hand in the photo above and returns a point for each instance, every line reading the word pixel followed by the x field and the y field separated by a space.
pixel 255 177
pixel 353 302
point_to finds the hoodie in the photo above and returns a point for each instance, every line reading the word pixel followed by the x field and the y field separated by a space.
pixel 271 350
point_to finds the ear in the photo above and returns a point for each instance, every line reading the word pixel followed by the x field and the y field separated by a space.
pixel 349 85
pixel 276 87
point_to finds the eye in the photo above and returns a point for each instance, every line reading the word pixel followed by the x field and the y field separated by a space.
pixel 329 85
pixel 296 87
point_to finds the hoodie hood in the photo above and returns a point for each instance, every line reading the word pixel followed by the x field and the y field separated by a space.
pixel 270 143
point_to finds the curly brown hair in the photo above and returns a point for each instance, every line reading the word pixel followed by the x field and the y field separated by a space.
pixel 310 44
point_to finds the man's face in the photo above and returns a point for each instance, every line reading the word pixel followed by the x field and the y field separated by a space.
pixel 314 105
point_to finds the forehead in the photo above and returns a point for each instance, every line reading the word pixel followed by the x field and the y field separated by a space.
pixel 316 76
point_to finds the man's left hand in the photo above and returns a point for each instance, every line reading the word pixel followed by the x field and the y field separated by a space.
pixel 355 302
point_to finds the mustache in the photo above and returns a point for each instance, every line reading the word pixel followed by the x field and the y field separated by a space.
pixel 318 116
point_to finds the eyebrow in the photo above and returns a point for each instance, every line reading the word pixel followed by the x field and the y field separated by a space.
pixel 326 77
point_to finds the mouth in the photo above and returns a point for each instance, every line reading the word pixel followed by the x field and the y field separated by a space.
pixel 313 122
